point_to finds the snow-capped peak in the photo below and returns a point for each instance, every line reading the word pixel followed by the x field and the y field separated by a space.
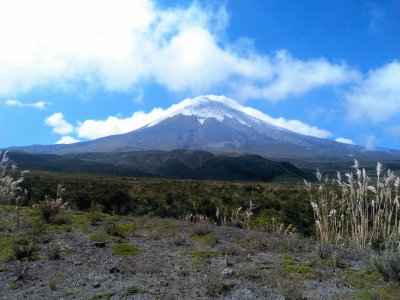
pixel 220 107
pixel 212 106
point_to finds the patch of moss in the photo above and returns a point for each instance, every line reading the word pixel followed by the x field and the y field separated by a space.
pixel 28 212
pixel 200 256
pixel 102 237
pixel 327 262
pixel 369 284
pixel 125 249
pixel 133 289
pixel 71 220
pixel 361 278
pixel 291 266
pixel 158 229
pixel 13 286
pixel 121 230
pixel 127 228
pixel 6 245
pixel 101 296
pixel 207 239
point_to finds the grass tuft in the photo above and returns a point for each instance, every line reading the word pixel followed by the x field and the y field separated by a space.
pixel 125 249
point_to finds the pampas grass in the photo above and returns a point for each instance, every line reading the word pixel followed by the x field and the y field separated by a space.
pixel 354 208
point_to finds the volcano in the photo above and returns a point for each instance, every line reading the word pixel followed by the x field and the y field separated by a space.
pixel 216 124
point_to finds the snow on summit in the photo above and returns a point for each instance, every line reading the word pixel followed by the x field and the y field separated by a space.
pixel 210 106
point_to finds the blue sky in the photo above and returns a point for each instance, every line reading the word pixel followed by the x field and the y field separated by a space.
pixel 78 70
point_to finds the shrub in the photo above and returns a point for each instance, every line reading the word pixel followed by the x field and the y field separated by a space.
pixel 216 286
pixel 200 229
pixel 50 209
pixel 53 251
pixel 25 247
pixel 10 180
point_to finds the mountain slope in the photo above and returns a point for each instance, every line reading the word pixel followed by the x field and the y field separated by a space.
pixel 183 164
pixel 220 125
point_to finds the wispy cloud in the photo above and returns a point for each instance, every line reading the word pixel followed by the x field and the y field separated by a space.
pixel 370 142
pixel 116 44
pixel 376 14
pixel 41 105
pixel 60 126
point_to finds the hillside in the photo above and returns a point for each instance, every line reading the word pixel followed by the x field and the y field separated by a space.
pixel 173 164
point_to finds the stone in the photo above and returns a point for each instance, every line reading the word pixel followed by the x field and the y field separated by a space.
pixel 228 272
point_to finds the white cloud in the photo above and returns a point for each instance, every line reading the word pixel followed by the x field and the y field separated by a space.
pixel 292 76
pixel 345 141
pixel 92 129
pixel 66 139
pixel 116 44
pixel 377 97
pixel 41 105
pixel 60 126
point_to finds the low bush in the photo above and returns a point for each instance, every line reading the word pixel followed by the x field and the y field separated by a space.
pixel 51 209
pixel 25 247
pixel 388 264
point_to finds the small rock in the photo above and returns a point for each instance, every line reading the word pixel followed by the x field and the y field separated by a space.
pixel 77 263
pixel 163 283
pixel 96 284
pixel 228 272
pixel 242 294
pixel 99 244
pixel 113 269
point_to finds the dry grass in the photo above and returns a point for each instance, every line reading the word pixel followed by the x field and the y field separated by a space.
pixel 365 212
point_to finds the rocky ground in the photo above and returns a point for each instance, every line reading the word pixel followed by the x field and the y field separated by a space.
pixel 98 256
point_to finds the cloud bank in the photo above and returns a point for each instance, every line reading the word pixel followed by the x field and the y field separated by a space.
pixel 115 45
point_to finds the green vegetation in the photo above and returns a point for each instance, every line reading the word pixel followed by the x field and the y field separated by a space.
pixel 369 284
pixel 125 249
pixel 102 237
pixel 101 296
pixel 121 230
pixel 287 203
pixel 207 239
pixel 13 286
pixel 291 266
pixel 201 256
pixel 133 289
pixel 6 245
